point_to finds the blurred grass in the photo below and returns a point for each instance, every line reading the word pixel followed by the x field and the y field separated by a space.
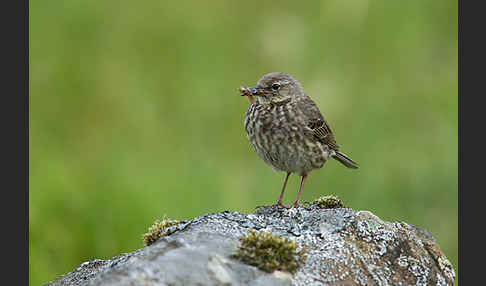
pixel 135 115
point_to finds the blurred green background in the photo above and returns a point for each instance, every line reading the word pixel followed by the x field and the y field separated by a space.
pixel 135 114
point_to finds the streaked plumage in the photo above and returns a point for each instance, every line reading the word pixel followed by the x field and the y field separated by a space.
pixel 287 130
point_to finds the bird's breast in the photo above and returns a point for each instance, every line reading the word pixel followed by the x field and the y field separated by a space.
pixel 277 133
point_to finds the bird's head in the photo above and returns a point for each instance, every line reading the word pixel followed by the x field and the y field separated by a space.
pixel 275 87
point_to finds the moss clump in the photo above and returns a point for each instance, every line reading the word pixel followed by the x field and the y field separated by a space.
pixel 329 202
pixel 270 253
pixel 158 230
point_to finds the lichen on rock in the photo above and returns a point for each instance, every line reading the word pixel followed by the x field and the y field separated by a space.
pixel 342 247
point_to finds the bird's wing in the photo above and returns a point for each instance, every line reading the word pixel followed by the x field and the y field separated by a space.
pixel 317 124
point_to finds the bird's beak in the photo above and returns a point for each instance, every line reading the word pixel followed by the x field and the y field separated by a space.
pixel 255 91
pixel 251 91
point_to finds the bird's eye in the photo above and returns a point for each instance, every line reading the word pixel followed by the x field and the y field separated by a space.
pixel 275 86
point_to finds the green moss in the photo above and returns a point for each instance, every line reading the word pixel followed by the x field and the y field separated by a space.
pixel 158 229
pixel 270 253
pixel 329 202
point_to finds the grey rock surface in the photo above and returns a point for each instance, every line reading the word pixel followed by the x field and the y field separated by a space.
pixel 345 247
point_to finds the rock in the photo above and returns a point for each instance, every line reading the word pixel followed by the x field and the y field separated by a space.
pixel 343 247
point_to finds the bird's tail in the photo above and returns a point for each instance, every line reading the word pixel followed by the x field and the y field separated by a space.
pixel 345 160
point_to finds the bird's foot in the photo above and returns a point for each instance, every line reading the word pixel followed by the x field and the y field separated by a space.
pixel 297 205
pixel 278 205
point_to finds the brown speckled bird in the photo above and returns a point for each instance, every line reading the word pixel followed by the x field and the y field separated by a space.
pixel 287 130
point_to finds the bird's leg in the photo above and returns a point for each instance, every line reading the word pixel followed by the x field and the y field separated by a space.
pixel 296 203
pixel 279 203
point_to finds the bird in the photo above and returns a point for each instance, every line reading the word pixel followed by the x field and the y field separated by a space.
pixel 288 131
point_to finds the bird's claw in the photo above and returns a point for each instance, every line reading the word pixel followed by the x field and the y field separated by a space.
pixel 277 205
pixel 296 205
pixel 280 205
